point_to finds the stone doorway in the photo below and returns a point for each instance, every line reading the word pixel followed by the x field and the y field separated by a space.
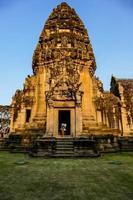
pixel 64 122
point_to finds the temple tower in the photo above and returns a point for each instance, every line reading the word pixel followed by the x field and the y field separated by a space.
pixel 63 96
pixel 59 93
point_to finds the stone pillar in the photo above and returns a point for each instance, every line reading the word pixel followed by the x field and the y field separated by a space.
pixel 23 118
pixel 55 118
pixel 39 109
pixel 20 122
pixel 126 129
pixel 104 118
pixel 73 122
pixel 99 117
pixel 50 120
pixel 78 119
pixel 78 114
pixel 88 108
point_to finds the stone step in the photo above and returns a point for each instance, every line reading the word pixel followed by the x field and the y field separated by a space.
pixel 65 145
pixel 62 143
pixel 127 148
pixel 66 142
pixel 64 152
pixel 65 139
pixel 64 149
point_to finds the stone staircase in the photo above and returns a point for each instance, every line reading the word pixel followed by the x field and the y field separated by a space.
pixel 126 143
pixel 64 147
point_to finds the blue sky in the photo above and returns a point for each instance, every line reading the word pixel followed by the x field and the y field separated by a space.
pixel 110 27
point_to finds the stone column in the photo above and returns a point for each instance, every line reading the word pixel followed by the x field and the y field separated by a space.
pixel 50 119
pixel 88 110
pixel 78 113
pixel 20 123
pixel 55 122
pixel 78 119
pixel 99 117
pixel 126 128
pixel 39 108
pixel 73 122
pixel 23 117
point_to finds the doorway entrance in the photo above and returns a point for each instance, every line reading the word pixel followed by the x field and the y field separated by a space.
pixel 64 122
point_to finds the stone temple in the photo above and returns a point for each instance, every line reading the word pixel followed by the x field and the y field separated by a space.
pixel 63 97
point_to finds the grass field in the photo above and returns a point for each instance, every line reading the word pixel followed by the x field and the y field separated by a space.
pixel 107 178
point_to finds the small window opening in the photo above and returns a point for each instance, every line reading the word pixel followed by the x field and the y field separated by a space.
pixel 28 115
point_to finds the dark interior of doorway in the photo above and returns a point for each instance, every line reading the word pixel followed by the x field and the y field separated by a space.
pixel 28 115
pixel 64 122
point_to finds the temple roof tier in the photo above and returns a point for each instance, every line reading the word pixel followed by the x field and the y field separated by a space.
pixel 63 37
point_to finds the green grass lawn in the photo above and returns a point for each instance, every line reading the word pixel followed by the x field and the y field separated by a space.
pixel 107 178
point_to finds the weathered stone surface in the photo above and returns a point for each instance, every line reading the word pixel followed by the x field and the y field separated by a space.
pixel 63 97
pixel 123 89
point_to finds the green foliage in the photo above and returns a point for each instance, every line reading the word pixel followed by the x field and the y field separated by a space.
pixel 66 179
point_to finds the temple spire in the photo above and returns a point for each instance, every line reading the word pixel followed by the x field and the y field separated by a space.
pixel 64 36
